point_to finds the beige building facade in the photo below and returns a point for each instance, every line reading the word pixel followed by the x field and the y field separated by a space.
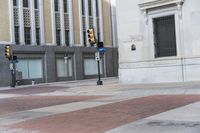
pixel 50 39
pixel 78 16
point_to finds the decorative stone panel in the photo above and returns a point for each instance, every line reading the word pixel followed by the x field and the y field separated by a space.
pixel 16 16
pixel 66 15
pixel 37 18
pixel 91 22
pixel 27 22
pixel 84 24
pixel 57 19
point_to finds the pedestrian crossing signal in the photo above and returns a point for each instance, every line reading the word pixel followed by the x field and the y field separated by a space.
pixel 91 36
pixel 7 51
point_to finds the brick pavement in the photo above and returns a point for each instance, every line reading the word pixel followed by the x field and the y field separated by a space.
pixel 16 104
pixel 103 118
pixel 33 90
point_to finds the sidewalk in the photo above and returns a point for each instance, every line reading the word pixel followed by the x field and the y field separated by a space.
pixel 117 108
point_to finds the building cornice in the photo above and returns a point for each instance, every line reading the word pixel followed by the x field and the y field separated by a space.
pixel 157 3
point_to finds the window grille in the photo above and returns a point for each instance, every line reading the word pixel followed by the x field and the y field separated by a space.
pixel 27 18
pixel 91 22
pixel 164 36
pixel 16 16
pixel 57 19
pixel 84 23
pixel 37 18
pixel 66 21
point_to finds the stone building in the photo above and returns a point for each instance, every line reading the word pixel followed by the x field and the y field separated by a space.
pixel 158 40
pixel 50 40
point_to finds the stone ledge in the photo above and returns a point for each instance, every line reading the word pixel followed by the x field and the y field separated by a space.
pixel 157 3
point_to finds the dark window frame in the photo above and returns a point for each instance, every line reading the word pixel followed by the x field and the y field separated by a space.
pixel 38 36
pixel 90 7
pixel 56 5
pixel 58 37
pixel 36 4
pixel 65 6
pixel 67 37
pixel 27 35
pixel 17 35
pixel 26 3
pixel 165 36
pixel 15 2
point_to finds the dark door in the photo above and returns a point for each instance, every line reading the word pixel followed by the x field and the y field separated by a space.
pixel 165 36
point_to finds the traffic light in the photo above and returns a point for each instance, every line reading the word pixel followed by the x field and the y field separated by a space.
pixel 100 45
pixel 91 36
pixel 7 51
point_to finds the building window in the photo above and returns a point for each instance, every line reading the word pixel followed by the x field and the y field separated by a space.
pixel 25 3
pixel 165 36
pixel 15 2
pixel 56 5
pixel 90 7
pixel 97 8
pixel 36 4
pixel 83 7
pixel 58 37
pixel 16 34
pixel 27 35
pixel 90 67
pixel 64 67
pixel 65 6
pixel 30 68
pixel 84 38
pixel 38 36
pixel 67 37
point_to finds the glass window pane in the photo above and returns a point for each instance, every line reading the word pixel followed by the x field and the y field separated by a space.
pixel 61 69
pixel 35 68
pixel 22 66
pixel 70 67
pixel 64 68
pixel 90 67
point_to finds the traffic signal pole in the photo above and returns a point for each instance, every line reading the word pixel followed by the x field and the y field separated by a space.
pixel 10 56
pixel 92 41
pixel 13 73
pixel 99 82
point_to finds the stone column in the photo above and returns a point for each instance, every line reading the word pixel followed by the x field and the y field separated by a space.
pixel 80 21
pixel 94 15
pixel 12 25
pixel 87 21
pixel 62 22
pixel 41 16
pixel 71 22
pixel 101 20
pixel 32 19
pixel 53 22
pixel 21 22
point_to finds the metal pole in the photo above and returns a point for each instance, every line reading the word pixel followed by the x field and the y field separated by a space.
pixel 13 73
pixel 99 82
